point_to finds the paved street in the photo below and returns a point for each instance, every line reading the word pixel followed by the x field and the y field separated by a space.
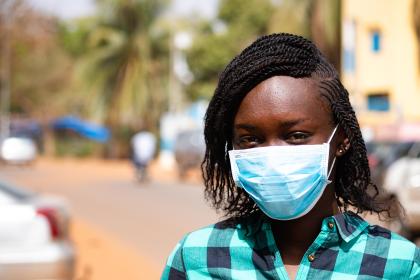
pixel 149 219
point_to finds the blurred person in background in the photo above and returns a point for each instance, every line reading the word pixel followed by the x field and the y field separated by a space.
pixel 285 160
pixel 143 146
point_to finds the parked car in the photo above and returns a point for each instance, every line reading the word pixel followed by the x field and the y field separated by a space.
pixel 382 154
pixel 189 150
pixel 402 179
pixel 27 128
pixel 18 150
pixel 34 241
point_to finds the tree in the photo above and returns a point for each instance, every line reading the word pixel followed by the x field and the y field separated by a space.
pixel 39 68
pixel 216 42
pixel 238 23
pixel 126 65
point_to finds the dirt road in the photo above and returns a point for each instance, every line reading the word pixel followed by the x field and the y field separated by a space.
pixel 104 257
pixel 122 230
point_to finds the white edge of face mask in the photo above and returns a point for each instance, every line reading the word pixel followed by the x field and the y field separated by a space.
pixel 233 167
pixel 287 148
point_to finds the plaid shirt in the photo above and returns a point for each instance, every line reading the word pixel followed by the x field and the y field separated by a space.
pixel 346 248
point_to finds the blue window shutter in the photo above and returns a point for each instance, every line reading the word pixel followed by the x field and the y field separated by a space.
pixel 376 41
pixel 378 102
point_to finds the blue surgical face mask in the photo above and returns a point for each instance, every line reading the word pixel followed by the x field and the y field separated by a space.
pixel 284 181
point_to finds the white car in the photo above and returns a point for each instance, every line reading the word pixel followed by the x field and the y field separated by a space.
pixel 402 179
pixel 18 150
pixel 34 242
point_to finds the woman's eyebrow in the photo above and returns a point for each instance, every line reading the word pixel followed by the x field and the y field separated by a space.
pixel 291 123
pixel 245 126
pixel 283 124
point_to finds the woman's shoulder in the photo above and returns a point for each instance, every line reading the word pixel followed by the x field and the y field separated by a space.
pixel 396 245
pixel 377 236
pixel 386 248
pixel 396 252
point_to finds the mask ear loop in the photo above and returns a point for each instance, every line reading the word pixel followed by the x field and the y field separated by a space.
pixel 331 168
pixel 329 182
pixel 328 142
pixel 332 134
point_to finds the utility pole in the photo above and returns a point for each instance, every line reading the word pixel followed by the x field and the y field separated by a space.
pixel 6 17
pixel 173 85
pixel 179 73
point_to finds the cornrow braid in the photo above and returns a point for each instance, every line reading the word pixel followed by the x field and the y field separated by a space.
pixel 286 55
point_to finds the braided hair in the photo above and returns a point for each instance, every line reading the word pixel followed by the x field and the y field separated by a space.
pixel 294 56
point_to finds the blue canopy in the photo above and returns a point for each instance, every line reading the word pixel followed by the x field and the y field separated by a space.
pixel 86 129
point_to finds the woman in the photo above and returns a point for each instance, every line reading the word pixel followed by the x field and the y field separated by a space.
pixel 285 159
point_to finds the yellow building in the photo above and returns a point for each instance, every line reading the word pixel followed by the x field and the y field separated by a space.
pixel 381 66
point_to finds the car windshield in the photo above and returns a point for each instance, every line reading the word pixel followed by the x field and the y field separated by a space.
pixel 388 152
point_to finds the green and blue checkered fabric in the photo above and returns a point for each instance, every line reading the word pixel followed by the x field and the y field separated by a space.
pixel 346 248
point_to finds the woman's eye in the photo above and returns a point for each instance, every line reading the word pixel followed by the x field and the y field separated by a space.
pixel 297 138
pixel 246 141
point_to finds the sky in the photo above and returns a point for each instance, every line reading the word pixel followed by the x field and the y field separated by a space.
pixel 65 9
pixel 68 9
pixel 205 8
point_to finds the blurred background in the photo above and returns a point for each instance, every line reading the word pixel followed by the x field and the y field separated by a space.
pixel 101 119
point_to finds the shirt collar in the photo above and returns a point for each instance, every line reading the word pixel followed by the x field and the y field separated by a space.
pixel 349 224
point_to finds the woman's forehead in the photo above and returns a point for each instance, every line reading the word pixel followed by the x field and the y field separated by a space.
pixel 284 97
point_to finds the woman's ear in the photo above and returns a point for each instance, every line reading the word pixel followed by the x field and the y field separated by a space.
pixel 342 147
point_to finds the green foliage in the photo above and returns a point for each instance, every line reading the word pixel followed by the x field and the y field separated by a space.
pixel 243 21
pixel 121 57
pixel 73 145
pixel 73 35
pixel 125 65
pixel 208 56
pixel 213 49
pixel 250 17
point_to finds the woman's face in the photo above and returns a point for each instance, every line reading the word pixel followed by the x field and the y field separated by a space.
pixel 283 111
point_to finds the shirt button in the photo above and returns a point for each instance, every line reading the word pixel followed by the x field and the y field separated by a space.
pixel 331 225
pixel 311 257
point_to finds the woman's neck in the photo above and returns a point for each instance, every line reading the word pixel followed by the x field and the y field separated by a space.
pixel 293 237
